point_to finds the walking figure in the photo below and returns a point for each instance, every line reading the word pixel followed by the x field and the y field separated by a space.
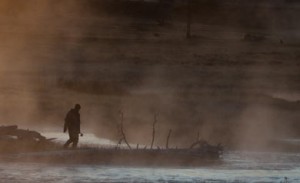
pixel 72 124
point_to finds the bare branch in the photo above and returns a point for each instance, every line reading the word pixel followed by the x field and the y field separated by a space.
pixel 153 131
pixel 167 145
pixel 122 131
pixel 201 143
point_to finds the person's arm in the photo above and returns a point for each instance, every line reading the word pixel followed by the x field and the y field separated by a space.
pixel 79 125
pixel 65 126
pixel 66 123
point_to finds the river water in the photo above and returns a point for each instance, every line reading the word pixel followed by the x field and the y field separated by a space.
pixel 237 166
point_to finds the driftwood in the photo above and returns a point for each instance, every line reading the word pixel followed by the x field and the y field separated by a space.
pixel 21 134
pixel 203 147
pixel 4 129
pixel 201 143
pixel 14 140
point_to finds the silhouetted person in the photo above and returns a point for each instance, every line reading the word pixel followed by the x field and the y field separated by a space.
pixel 72 124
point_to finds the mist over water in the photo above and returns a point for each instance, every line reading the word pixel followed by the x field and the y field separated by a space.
pixel 55 54
pixel 238 167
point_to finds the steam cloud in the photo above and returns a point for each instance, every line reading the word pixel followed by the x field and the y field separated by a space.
pixel 58 53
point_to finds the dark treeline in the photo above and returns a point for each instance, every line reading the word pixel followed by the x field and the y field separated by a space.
pixel 239 13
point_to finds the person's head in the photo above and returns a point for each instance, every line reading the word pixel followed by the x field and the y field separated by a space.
pixel 77 107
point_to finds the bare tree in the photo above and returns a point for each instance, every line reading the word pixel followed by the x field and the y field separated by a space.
pixel 167 145
pixel 153 129
pixel 123 137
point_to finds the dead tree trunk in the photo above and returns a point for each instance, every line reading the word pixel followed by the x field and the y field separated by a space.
pixel 153 131
pixel 189 19
pixel 167 145
pixel 123 137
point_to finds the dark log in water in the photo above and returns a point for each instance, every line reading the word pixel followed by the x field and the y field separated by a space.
pixel 14 140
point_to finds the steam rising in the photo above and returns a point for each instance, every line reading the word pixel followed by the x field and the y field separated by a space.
pixel 58 53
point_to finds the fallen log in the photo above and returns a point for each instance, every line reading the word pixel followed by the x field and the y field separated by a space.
pixel 14 140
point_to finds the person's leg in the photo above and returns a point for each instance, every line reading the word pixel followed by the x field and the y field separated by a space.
pixel 68 143
pixel 75 142
pixel 74 139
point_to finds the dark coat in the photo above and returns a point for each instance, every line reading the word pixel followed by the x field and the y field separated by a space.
pixel 72 122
